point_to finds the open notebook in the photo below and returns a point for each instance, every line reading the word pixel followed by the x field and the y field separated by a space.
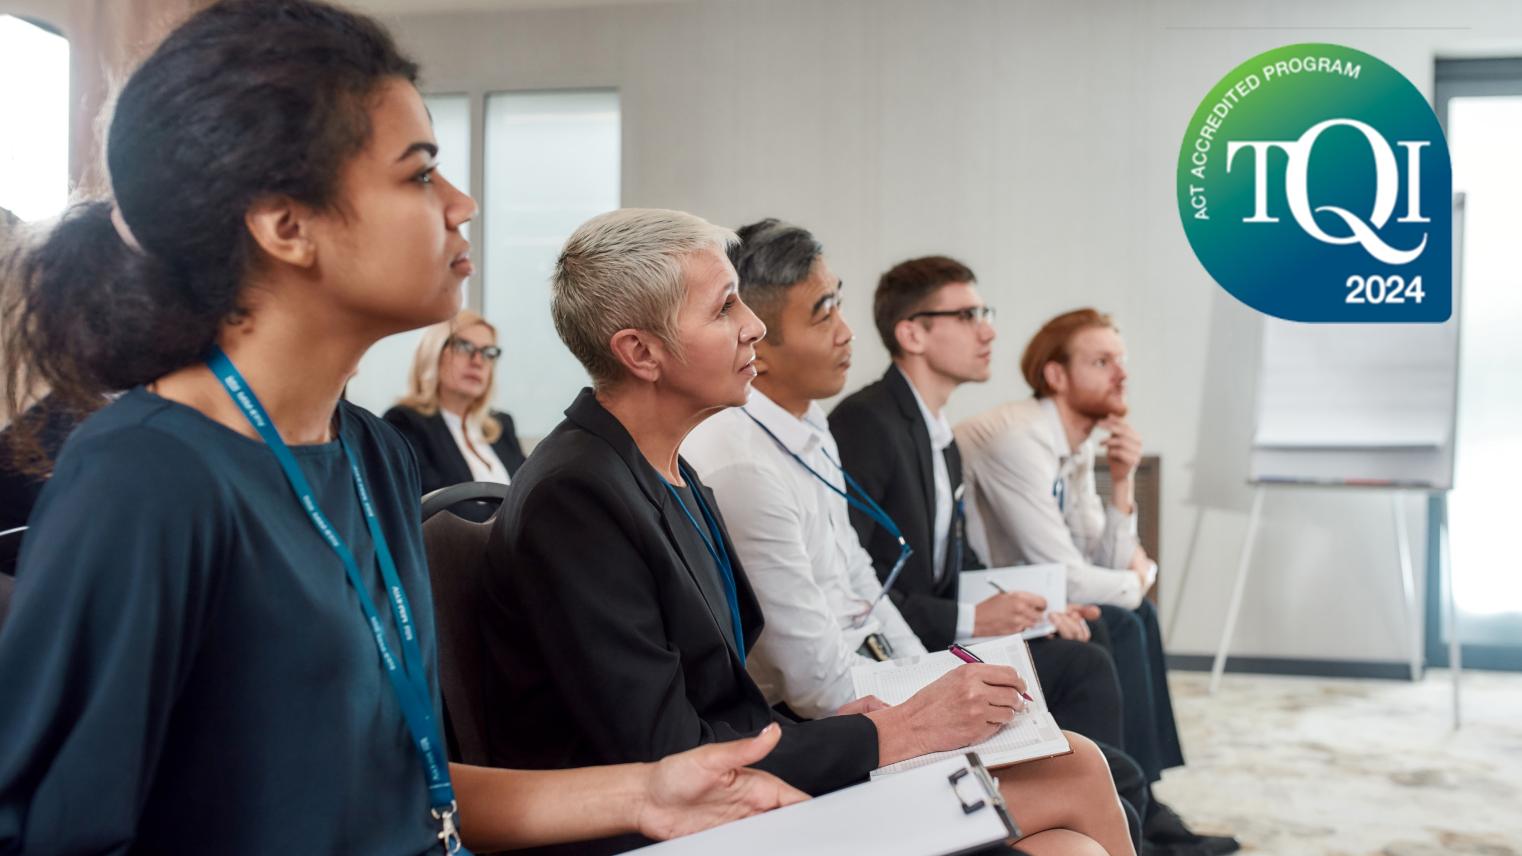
pixel 1049 581
pixel 1030 735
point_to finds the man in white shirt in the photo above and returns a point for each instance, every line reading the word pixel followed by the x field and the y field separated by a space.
pixel 1030 466
pixel 1032 498
pixel 787 535
pixel 775 471
pixel 894 439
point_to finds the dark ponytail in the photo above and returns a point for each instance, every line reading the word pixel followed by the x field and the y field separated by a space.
pixel 246 99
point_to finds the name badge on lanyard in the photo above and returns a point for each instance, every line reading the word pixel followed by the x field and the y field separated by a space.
pixel 408 680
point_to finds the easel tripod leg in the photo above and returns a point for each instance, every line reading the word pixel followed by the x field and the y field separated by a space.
pixel 1183 579
pixel 1445 565
pixel 1407 581
pixel 1236 592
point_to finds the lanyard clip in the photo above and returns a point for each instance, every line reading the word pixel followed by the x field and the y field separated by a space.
pixel 449 834
pixel 904 552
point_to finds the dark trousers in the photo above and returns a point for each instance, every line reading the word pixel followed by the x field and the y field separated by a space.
pixel 1134 641
pixel 1132 788
pixel 1084 696
pixel 1081 688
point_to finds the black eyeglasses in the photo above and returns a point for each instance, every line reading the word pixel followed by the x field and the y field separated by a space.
pixel 970 314
pixel 490 353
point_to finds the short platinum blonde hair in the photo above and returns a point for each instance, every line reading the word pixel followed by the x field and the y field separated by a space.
pixel 623 270
pixel 423 383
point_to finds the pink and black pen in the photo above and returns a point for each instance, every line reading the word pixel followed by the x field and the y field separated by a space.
pixel 967 656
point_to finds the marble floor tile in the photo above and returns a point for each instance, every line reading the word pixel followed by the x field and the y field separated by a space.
pixel 1320 767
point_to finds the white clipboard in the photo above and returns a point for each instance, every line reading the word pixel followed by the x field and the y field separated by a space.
pixel 942 809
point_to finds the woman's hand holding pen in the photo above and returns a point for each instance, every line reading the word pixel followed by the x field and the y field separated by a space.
pixel 961 707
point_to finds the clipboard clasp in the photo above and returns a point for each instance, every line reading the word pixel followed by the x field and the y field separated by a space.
pixel 955 779
pixel 991 797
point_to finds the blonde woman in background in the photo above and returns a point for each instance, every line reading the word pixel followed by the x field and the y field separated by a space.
pixel 446 415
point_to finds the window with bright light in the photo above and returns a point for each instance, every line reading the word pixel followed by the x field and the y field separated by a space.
pixel 552 162
pixel 34 101
pixel 1484 136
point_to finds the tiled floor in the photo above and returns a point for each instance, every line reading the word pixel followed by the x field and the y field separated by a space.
pixel 1318 767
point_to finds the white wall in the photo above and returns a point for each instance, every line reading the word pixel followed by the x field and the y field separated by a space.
pixel 55 12
pixel 1036 141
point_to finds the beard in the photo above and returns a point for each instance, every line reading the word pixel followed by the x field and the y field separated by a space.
pixel 1101 405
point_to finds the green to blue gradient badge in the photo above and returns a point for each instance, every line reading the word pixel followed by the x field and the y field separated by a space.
pixel 1314 185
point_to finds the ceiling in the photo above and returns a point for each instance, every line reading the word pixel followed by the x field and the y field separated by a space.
pixel 58 10
pixel 399 7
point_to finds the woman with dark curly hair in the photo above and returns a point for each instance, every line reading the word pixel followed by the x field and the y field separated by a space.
pixel 221 639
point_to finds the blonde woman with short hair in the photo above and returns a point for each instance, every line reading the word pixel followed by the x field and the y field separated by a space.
pixel 446 415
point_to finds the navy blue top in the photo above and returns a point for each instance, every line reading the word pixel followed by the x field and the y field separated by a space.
pixel 185 666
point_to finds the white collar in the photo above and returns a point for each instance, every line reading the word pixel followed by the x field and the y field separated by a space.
pixel 456 424
pixel 799 436
pixel 936 424
pixel 1060 433
pixel 1054 421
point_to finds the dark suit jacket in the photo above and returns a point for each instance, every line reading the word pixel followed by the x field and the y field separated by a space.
pixel 439 459
pixel 606 640
pixel 885 446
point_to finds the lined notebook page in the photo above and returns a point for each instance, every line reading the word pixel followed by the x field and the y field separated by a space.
pixel 1030 735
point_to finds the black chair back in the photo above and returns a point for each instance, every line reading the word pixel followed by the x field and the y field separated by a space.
pixel 456 548
pixel 10 550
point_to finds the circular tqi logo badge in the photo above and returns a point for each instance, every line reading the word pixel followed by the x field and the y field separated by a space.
pixel 1314 185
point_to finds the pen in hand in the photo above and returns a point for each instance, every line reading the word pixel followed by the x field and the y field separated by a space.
pixel 967 656
pixel 1000 589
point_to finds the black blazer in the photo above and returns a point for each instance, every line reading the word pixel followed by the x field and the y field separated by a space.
pixel 439 459
pixel 885 446
pixel 606 644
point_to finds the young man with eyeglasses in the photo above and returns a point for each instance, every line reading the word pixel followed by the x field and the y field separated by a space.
pixel 1032 497
pixel 895 439
pixel 775 470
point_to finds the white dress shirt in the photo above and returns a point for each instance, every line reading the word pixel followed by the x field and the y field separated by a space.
pixel 802 557
pixel 484 464
pixel 1032 499
pixel 941 438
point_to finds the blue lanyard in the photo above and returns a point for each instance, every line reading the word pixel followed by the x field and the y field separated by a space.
pixel 408 680
pixel 958 531
pixel 716 549
pixel 866 504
